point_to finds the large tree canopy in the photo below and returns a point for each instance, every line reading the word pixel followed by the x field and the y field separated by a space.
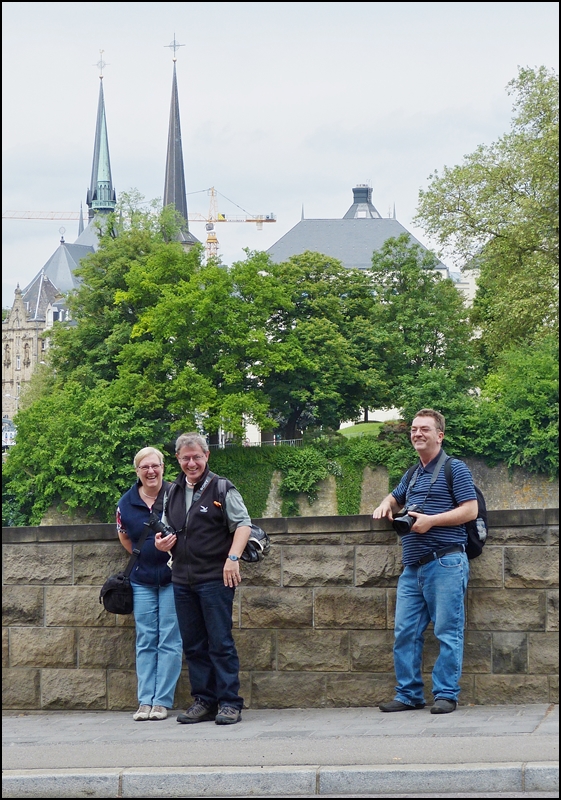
pixel 499 212
pixel 161 342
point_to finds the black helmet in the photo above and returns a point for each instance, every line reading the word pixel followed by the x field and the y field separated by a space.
pixel 258 545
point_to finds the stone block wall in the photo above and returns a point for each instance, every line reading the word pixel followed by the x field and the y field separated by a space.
pixel 313 622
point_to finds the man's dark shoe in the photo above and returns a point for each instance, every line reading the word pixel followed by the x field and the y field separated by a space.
pixel 227 715
pixel 443 706
pixel 397 705
pixel 198 712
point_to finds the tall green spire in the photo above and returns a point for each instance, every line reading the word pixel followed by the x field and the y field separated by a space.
pixel 101 198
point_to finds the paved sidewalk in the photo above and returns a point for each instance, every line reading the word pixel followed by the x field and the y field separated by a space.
pixel 349 752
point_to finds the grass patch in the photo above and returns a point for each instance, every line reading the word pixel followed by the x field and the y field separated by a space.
pixel 362 429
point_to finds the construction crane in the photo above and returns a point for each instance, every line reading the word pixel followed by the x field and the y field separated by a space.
pixel 213 217
pixel 65 215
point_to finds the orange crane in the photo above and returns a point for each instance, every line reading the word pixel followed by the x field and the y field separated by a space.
pixel 213 217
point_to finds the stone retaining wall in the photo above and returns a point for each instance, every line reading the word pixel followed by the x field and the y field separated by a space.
pixel 313 622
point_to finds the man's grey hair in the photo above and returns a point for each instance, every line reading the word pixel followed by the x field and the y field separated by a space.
pixel 192 439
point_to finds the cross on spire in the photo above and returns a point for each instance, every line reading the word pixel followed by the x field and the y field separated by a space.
pixel 174 46
pixel 101 64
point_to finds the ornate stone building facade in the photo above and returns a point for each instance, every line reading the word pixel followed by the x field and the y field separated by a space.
pixel 23 346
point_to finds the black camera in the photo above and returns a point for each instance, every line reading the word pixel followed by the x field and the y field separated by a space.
pixel 405 521
pixel 156 524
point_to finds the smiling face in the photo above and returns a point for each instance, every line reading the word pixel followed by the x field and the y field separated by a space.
pixel 193 460
pixel 150 470
pixel 426 438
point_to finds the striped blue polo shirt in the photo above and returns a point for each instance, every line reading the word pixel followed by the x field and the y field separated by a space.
pixel 438 500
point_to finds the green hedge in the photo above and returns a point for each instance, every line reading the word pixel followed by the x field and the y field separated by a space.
pixel 302 468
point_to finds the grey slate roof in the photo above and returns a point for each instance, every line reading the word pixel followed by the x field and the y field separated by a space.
pixel 60 267
pixel 40 293
pixel 351 241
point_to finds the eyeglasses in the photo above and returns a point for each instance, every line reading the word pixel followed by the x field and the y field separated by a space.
pixel 423 429
pixel 146 467
pixel 186 459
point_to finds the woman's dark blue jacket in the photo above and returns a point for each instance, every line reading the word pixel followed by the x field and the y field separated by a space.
pixel 151 567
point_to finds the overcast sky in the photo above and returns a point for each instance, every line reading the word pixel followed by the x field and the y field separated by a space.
pixel 283 105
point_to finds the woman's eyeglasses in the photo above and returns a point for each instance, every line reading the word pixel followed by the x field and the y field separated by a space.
pixel 147 467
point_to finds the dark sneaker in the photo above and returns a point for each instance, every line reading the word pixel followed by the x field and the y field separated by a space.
pixel 397 705
pixel 227 715
pixel 198 712
pixel 443 706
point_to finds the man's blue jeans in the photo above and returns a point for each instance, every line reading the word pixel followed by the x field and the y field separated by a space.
pixel 432 592
pixel 158 644
pixel 204 611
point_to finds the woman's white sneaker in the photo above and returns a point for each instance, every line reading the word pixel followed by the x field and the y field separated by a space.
pixel 158 712
pixel 142 713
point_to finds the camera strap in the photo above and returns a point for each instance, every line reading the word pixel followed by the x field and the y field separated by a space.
pixel 437 467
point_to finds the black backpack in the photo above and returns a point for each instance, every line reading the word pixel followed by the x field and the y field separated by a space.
pixel 476 529
pixel 259 543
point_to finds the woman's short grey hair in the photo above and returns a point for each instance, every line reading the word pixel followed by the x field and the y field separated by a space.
pixel 147 451
pixel 191 440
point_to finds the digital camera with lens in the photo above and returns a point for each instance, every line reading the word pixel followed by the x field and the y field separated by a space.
pixel 405 521
pixel 156 524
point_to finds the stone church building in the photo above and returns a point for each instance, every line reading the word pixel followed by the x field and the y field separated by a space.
pixel 37 306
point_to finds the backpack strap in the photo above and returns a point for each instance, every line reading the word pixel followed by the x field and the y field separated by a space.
pixel 224 486
pixel 449 479
pixel 437 467
pixel 222 490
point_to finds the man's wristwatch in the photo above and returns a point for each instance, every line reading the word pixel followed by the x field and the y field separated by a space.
pixel 233 558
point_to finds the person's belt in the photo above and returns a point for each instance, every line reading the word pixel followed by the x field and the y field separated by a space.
pixel 453 548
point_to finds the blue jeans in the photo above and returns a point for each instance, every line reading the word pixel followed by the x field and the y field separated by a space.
pixel 158 644
pixel 432 592
pixel 204 611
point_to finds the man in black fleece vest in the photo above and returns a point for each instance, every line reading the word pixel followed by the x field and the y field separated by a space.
pixel 206 548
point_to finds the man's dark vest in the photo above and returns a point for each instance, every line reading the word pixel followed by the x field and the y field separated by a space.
pixel 203 538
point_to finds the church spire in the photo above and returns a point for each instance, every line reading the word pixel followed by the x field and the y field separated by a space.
pixel 174 184
pixel 101 195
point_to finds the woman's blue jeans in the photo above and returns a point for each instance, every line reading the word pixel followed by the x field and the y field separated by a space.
pixel 432 592
pixel 158 644
pixel 204 611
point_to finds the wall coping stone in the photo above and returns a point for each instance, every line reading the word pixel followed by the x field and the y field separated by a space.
pixel 529 517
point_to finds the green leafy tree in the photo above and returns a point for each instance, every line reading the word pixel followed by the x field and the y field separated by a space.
pixel 74 449
pixel 517 418
pixel 317 374
pixel 499 212
pixel 422 326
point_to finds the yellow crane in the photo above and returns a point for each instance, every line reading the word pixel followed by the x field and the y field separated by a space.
pixel 214 217
pixel 211 219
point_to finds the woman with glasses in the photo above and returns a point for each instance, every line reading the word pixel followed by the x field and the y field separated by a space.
pixel 158 641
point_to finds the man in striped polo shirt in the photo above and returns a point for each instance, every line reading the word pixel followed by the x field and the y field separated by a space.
pixel 433 583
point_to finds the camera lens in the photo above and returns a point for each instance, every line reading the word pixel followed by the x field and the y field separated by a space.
pixel 402 525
